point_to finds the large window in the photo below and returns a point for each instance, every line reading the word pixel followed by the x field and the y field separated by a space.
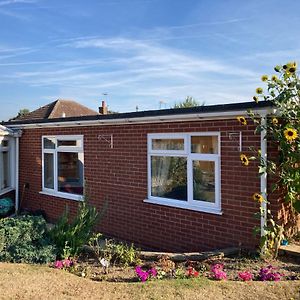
pixel 63 166
pixel 184 170
pixel 5 177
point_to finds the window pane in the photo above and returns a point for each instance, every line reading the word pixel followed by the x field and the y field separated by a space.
pixel 168 144
pixel 5 179
pixel 204 144
pixel 48 171
pixel 204 180
pixel 4 143
pixel 70 173
pixel 169 177
pixel 49 143
pixel 72 143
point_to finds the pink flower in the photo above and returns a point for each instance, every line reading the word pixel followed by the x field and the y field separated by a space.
pixel 58 264
pixel 152 272
pixel 218 272
pixel 245 276
pixel 67 263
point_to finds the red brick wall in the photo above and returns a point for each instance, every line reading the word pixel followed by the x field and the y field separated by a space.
pixel 120 175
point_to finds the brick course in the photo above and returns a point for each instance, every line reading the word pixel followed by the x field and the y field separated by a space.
pixel 120 176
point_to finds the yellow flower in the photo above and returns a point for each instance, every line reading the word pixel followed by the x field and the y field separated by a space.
pixel 259 152
pixel 242 120
pixel 264 78
pixel 292 67
pixel 275 121
pixel 290 134
pixel 255 98
pixel 259 90
pixel 258 197
pixel 244 159
pixel 274 78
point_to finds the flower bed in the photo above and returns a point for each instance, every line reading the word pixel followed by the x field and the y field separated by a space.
pixel 233 269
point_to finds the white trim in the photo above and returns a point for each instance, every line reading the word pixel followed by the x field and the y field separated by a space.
pixel 184 205
pixel 54 151
pixel 263 177
pixel 6 190
pixel 141 120
pixel 190 203
pixel 17 175
pixel 62 195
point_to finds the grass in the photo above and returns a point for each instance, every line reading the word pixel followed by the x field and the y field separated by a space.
pixel 19 281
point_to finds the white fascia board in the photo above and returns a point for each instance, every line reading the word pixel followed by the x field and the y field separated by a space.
pixel 143 120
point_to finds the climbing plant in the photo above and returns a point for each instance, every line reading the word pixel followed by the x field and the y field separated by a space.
pixel 282 130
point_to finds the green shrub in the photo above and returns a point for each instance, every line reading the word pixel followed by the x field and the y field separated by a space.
pixel 70 236
pixel 25 239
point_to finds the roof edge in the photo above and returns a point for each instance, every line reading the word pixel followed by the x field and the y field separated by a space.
pixel 205 110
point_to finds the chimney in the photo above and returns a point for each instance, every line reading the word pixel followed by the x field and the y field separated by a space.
pixel 103 109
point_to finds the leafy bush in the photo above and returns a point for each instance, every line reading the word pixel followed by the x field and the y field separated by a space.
pixel 25 239
pixel 69 237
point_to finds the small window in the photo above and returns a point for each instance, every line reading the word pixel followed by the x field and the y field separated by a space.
pixel 204 144
pixel 49 143
pixel 63 165
pixel 184 170
pixel 168 144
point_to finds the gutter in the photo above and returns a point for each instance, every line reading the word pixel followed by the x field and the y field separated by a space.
pixel 140 120
pixel 263 177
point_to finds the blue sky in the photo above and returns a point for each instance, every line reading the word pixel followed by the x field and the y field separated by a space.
pixel 140 52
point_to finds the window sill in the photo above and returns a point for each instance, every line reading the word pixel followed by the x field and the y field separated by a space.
pixel 185 205
pixel 5 191
pixel 63 195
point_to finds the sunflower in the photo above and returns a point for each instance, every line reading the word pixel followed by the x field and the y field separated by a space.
pixel 259 90
pixel 255 98
pixel 244 159
pixel 242 120
pixel 290 134
pixel 264 78
pixel 274 78
pixel 258 197
pixel 275 121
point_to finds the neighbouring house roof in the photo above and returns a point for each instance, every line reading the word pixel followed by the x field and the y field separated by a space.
pixel 57 109
pixel 198 112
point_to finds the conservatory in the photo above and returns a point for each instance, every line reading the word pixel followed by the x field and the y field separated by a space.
pixel 9 148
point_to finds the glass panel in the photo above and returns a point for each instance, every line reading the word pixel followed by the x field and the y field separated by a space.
pixel 70 173
pixel 204 180
pixel 169 177
pixel 5 180
pixel 48 171
pixel 168 144
pixel 72 143
pixel 204 144
pixel 49 143
pixel 4 143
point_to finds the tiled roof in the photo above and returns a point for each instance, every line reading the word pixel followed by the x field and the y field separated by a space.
pixel 57 109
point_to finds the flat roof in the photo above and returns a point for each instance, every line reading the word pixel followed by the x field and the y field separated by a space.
pixel 215 109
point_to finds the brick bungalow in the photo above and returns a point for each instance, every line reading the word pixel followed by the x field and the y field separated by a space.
pixel 172 178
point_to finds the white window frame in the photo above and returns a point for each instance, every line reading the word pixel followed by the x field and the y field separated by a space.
pixel 191 204
pixel 55 151
pixel 11 150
